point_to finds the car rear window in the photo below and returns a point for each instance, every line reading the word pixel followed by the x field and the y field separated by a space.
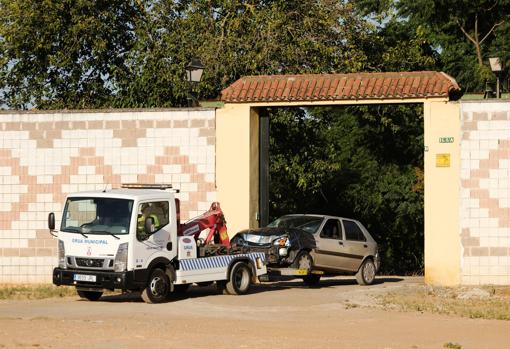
pixel 353 231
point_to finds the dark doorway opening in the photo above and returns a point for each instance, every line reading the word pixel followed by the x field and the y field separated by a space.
pixel 362 162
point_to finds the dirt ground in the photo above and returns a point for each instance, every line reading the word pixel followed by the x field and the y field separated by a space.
pixel 339 314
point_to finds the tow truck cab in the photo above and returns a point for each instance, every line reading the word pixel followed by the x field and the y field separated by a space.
pixel 103 241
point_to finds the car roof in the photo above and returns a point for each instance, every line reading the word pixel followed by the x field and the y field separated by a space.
pixel 315 215
pixel 131 194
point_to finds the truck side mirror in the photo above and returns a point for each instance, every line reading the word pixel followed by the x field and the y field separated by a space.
pixel 51 223
pixel 149 225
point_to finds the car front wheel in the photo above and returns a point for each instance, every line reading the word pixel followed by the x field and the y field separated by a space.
pixel 304 261
pixel 366 273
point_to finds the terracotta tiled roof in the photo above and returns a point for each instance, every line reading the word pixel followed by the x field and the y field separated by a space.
pixel 324 87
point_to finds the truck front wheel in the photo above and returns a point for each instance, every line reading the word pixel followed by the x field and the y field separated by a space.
pixel 90 295
pixel 240 279
pixel 157 288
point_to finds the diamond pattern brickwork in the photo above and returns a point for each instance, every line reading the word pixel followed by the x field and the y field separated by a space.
pixel 44 156
pixel 485 193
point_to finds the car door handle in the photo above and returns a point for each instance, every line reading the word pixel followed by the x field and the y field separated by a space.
pixel 340 242
pixel 365 246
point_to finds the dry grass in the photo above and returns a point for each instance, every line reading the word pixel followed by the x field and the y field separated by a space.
pixel 35 291
pixel 472 302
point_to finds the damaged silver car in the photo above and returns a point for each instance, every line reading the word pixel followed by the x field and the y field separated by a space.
pixel 333 245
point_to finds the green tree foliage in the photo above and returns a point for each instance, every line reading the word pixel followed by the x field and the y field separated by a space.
pixel 236 38
pixel 62 53
pixel 395 45
pixel 464 33
pixel 78 54
pixel 364 162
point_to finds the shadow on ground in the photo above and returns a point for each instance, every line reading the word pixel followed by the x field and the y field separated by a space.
pixel 278 285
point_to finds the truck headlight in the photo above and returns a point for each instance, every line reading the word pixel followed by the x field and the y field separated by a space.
pixel 61 255
pixel 120 263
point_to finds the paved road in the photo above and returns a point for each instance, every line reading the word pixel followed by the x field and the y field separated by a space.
pixel 340 314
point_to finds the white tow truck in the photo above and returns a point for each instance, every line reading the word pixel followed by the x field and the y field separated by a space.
pixel 131 239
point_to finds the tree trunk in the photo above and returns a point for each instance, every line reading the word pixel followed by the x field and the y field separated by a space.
pixel 479 54
pixel 477 43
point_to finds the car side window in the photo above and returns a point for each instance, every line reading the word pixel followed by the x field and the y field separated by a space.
pixel 353 231
pixel 158 211
pixel 331 230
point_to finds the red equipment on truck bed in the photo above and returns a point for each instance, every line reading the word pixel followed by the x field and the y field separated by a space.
pixel 214 220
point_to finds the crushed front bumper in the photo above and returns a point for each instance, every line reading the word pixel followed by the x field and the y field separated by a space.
pixel 273 257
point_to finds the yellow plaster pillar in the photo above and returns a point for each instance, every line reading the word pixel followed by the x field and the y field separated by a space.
pixel 237 166
pixel 442 181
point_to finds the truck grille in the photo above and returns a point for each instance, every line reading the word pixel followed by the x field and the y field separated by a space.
pixel 90 262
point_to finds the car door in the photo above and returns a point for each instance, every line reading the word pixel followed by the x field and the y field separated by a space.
pixel 355 243
pixel 330 251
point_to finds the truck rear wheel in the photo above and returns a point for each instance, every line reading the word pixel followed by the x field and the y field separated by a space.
pixel 157 288
pixel 240 279
pixel 90 295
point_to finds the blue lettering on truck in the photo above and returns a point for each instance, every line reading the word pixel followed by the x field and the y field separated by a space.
pixel 96 242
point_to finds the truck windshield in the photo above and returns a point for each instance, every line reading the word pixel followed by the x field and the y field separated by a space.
pixel 104 216
pixel 306 223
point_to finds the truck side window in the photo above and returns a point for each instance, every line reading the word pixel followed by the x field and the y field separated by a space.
pixel 353 231
pixel 158 211
pixel 331 230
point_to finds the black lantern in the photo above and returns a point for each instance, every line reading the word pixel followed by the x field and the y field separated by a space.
pixel 194 71
pixel 496 67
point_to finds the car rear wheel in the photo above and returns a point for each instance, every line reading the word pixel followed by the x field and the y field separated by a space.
pixel 366 273
pixel 90 295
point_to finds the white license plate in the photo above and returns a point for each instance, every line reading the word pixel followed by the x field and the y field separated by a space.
pixel 86 278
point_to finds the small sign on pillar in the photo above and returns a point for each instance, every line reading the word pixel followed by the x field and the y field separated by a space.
pixel 446 139
pixel 443 160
